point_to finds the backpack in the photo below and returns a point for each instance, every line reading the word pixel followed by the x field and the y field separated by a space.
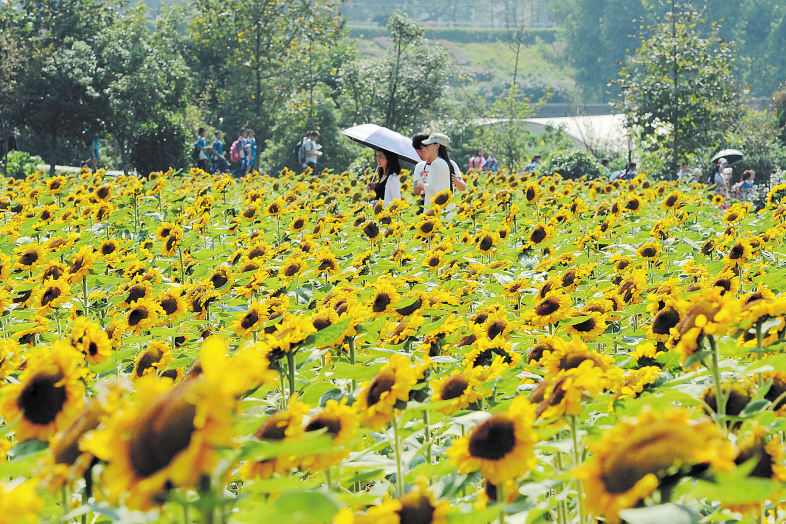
pixel 195 152
pixel 234 151
pixel 300 152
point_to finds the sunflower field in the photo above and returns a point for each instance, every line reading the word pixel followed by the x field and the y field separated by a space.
pixel 195 348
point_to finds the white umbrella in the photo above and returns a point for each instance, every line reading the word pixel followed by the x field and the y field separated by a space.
pixel 731 156
pixel 378 137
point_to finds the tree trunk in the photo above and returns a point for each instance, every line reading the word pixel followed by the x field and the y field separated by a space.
pixel 52 152
pixel 125 154
pixel 518 53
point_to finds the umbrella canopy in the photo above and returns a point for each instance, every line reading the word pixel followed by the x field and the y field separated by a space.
pixel 378 137
pixel 731 156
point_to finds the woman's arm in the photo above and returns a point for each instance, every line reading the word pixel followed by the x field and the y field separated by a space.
pixel 438 178
pixel 392 189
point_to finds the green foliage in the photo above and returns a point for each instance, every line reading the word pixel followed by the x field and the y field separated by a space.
pixel 465 35
pixel 403 90
pixel 679 96
pixel 159 147
pixel 572 164
pixel 19 164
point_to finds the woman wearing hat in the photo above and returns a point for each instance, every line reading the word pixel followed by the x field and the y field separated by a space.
pixel 439 169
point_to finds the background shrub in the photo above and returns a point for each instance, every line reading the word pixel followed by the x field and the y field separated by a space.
pixel 572 164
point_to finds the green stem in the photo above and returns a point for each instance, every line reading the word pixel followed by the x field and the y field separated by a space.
pixel 397 450
pixel 574 429
pixel 352 360
pixel 329 479
pixel 501 501
pixel 291 372
pixel 182 268
pixel 283 392
pixel 84 296
pixel 562 505
pixel 759 345
pixel 428 436
pixel 720 401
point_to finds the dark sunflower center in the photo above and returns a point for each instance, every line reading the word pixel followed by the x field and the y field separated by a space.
pixel 538 234
pixel 219 280
pixel 137 315
pixel 427 227
pixel 664 321
pixel 454 387
pixel 737 252
pixel 777 389
pixel 493 439
pixel 162 433
pixel 46 215
pixel 371 230
pixel 415 509
pixel 573 361
pixel 256 252
pixel 632 205
pixel 41 401
pixel 326 265
pixel 486 243
pixel 408 310
pixel 250 212
pixel 28 258
pixel 433 261
pixel 273 209
pixel 496 328
pixel 55 186
pixel 569 278
pixel 275 427
pixel 530 194
pixel 671 200
pixel 536 352
pixel 622 264
pixel 107 249
pixel 382 382
pixel 249 320
pixel 135 293
pixel 77 266
pixel 168 304
pixel 49 295
pixel 299 223
pixel 724 283
pixel 381 302
pixel 547 307
pixel 649 252
pixel 732 217
pixel 53 272
pixel 480 318
pixel 441 199
pixel 323 420
pixel 586 326
pixel 321 323
pixel 102 192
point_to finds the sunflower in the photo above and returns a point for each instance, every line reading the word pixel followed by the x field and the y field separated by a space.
pixel 55 185
pixel 299 223
pixel 486 240
pixel 548 310
pixel 20 503
pixel 666 319
pixel 341 423
pixel 502 447
pixel 384 298
pixel 487 353
pixel 377 399
pixel 81 264
pixel 589 328
pixel 103 193
pixel 416 507
pixel 171 303
pixel 427 227
pixel 539 234
pixel 92 341
pixel 711 313
pixel 739 253
pixel 275 208
pixel 327 264
pixel 371 230
pixel 629 460
pixel 433 260
pixel 51 295
pixel 247 323
pixel 279 426
pixel 29 256
pixel 142 316
pixel 531 192
pixel 135 292
pixel 221 276
pixel 461 389
pixel 718 200
pixel 109 249
pixel 633 204
pixel 48 394
pixel 649 251
pixel 250 213
pixel 155 358
pixel 672 201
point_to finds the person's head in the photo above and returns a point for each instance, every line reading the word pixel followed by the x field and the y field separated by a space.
pixel 387 162
pixel 536 159
pixel 727 172
pixel 684 167
pixel 202 131
pixel 243 132
pixel 479 152
pixel 605 162
pixel 251 133
pixel 436 145
pixel 749 174
pixel 417 144
pixel 696 173
pixel 632 166
pixel 313 135
pixel 219 134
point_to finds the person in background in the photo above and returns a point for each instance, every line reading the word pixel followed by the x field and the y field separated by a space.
pixel 217 153
pixel 202 149
pixel 606 163
pixel 695 176
pixel 417 174
pixel 439 172
pixel 312 150
pixel 533 165
pixel 492 165
pixel 683 171
pixel 629 173
pixel 252 150
pixel 477 162
pixel 387 186
pixel 241 148
pixel 744 188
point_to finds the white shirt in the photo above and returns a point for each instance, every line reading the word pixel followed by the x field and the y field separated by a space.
pixel 417 176
pixel 311 149
pixel 392 189
pixel 437 179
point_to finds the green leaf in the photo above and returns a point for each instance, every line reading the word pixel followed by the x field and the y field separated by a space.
pixel 732 490
pixel 328 335
pixel 308 507
pixel 671 513
pixel 356 372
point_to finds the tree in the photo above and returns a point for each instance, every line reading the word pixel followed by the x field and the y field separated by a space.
pixel 402 90
pixel 678 92
pixel 142 81
pixel 252 52
pixel 53 94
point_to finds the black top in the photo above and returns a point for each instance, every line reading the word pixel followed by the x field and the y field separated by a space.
pixel 379 187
